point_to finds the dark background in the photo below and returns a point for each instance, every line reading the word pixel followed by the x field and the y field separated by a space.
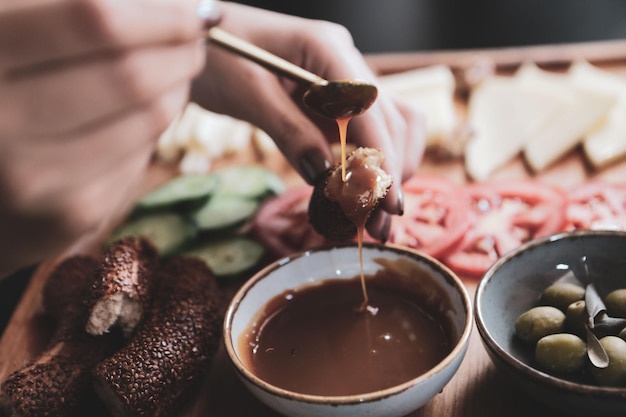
pixel 405 25
pixel 409 25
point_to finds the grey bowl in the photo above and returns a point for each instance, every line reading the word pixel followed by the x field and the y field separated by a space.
pixel 514 283
pixel 342 262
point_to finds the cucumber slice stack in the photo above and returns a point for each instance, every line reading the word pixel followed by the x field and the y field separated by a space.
pixel 180 190
pixel 168 231
pixel 203 215
pixel 224 211
pixel 249 181
pixel 229 256
pixel 238 193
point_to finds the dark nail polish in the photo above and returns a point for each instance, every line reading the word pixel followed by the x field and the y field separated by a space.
pixel 312 165
pixel 386 228
pixel 400 202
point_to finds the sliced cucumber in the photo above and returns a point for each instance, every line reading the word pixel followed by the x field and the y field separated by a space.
pixel 224 211
pixel 181 189
pixel 250 181
pixel 230 256
pixel 168 232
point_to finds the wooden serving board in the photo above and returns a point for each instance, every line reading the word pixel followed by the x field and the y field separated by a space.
pixel 477 390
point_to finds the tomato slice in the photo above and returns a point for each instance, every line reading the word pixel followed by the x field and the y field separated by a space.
pixel 597 205
pixel 436 215
pixel 505 215
pixel 282 223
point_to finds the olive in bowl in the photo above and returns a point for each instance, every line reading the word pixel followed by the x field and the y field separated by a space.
pixel 302 343
pixel 551 363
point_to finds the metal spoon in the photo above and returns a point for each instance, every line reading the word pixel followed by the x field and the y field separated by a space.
pixel 595 351
pixel 595 307
pixel 593 303
pixel 333 99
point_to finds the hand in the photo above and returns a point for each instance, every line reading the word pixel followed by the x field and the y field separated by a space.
pixel 235 86
pixel 87 87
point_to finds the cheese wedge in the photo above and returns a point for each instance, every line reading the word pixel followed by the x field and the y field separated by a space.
pixel 167 149
pixel 606 143
pixel 175 140
pixel 200 136
pixel 430 90
pixel 504 114
pixel 216 134
pixel 582 110
pixel 194 162
pixel 263 143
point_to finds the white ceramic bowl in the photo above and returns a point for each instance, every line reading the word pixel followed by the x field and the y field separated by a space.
pixel 341 262
pixel 514 284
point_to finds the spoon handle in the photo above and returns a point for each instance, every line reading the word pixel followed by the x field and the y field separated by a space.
pixel 262 57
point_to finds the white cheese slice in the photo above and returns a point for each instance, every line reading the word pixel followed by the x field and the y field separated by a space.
pixel 605 143
pixel 583 109
pixel 167 149
pixel 431 91
pixel 195 162
pixel 504 114
pixel 201 136
pixel 175 140
pixel 263 143
pixel 216 134
pixel 186 125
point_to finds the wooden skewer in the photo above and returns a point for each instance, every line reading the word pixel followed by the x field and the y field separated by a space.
pixel 262 57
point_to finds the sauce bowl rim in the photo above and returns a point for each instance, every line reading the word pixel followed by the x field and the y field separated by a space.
pixel 458 350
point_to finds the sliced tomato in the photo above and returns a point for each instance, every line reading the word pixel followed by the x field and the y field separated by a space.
pixel 505 215
pixel 436 215
pixel 597 205
pixel 282 223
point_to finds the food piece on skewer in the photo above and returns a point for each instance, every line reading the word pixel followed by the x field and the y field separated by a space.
pixel 171 350
pixel 336 207
pixel 123 286
pixel 57 382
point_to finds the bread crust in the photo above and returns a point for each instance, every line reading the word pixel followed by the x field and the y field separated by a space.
pixel 168 356
pixel 56 383
pixel 123 287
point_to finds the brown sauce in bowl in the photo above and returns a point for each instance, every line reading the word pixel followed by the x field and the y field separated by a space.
pixel 312 341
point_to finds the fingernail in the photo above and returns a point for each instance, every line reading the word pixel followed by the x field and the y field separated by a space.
pixel 208 11
pixel 386 228
pixel 400 202
pixel 313 164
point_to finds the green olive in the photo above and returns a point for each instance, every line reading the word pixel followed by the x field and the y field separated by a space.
pixel 615 303
pixel 615 373
pixel 576 318
pixel 562 353
pixel 562 294
pixel 538 322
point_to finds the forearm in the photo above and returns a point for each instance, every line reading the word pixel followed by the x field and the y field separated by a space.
pixel 87 88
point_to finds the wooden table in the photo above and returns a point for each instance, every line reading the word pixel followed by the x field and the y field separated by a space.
pixel 477 390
